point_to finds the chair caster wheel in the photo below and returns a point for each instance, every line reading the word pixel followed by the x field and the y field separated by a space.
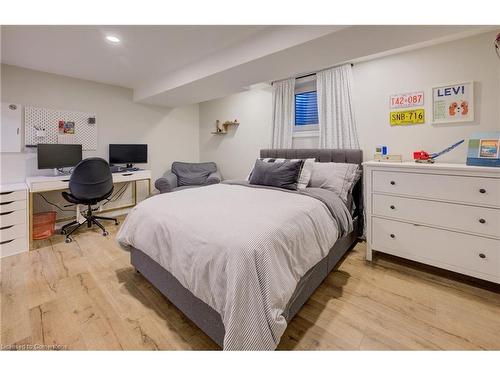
pixel 117 223
pixel 63 231
pixel 68 240
pixel 105 233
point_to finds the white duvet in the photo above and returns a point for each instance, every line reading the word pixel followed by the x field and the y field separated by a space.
pixel 239 249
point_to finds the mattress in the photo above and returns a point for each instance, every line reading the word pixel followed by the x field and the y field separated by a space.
pixel 206 318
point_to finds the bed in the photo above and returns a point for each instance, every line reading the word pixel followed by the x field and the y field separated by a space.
pixel 242 301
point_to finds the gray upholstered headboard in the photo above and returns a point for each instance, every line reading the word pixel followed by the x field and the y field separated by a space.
pixel 325 156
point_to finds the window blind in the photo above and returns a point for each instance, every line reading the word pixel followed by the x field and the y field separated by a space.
pixel 306 108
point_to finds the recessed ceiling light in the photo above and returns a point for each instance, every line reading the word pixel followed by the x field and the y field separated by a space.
pixel 113 39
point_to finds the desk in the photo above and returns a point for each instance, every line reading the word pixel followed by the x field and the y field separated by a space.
pixel 40 184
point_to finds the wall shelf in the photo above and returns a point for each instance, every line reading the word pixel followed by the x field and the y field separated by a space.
pixel 222 129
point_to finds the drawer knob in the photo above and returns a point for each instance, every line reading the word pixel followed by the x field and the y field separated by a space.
pixel 482 221
pixel 392 235
pixel 482 191
pixel 482 256
pixel 393 182
pixel 392 207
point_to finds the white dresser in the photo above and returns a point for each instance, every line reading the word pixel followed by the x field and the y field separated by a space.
pixel 13 219
pixel 445 215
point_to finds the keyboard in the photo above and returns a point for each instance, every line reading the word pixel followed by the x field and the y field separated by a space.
pixel 116 169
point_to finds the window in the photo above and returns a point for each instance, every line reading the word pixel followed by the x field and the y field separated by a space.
pixel 306 108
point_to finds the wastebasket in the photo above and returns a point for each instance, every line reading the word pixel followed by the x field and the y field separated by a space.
pixel 44 225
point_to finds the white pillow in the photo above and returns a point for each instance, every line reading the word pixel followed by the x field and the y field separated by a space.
pixel 305 174
pixel 337 177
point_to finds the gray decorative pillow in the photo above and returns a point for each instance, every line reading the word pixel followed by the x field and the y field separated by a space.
pixel 337 177
pixel 282 175
pixel 305 174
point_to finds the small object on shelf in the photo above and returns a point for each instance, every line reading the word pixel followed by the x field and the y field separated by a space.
pixel 222 129
pixel 381 150
pixel 391 158
pixel 424 157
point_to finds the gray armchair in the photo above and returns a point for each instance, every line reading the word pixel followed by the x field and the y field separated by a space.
pixel 188 175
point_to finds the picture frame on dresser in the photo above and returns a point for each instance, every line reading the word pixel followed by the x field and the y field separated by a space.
pixel 444 215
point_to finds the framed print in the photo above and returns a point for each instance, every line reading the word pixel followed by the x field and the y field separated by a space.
pixel 453 103
pixel 484 149
pixel 488 148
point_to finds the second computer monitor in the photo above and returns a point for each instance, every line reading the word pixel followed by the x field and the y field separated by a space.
pixel 128 154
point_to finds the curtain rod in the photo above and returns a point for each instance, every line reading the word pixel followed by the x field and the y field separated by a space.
pixel 313 74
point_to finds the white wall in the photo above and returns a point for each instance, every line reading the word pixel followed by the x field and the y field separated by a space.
pixel 464 60
pixel 236 151
pixel 171 134
pixel 471 59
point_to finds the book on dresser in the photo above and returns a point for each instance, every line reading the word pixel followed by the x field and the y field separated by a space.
pixel 444 215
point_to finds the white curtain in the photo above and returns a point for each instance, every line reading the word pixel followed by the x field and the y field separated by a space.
pixel 337 125
pixel 283 113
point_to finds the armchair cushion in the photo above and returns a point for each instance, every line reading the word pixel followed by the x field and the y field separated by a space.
pixel 167 183
pixel 214 178
pixel 193 173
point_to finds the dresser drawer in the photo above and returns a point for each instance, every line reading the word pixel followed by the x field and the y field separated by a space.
pixel 473 219
pixel 463 189
pixel 12 247
pixel 458 252
pixel 12 217
pixel 12 206
pixel 11 232
pixel 10 196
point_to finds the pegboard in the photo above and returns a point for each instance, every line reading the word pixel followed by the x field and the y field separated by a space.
pixel 48 119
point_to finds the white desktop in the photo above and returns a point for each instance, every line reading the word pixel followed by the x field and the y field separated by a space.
pixel 57 157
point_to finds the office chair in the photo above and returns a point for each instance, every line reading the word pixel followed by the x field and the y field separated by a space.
pixel 90 183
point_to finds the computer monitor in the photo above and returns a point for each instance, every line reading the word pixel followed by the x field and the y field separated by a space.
pixel 58 156
pixel 128 154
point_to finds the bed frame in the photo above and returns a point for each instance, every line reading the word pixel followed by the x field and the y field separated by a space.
pixel 205 317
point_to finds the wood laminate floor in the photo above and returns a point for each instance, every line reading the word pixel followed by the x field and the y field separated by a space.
pixel 85 295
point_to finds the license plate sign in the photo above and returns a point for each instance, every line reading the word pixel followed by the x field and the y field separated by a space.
pixel 409 117
pixel 411 99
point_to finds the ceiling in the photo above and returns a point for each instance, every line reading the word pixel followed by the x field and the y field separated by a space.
pixel 144 53
pixel 178 65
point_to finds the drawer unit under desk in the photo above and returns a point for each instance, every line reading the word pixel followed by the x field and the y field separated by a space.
pixel 10 196
pixel 12 218
pixel 15 246
pixel 131 176
pixel 50 185
pixel 472 219
pixel 11 232
pixel 468 254
pixel 463 189
pixel 12 206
